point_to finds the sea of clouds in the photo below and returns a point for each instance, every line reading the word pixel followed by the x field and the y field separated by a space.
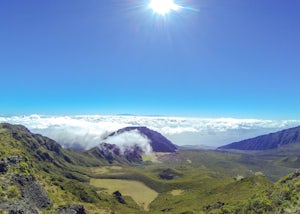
pixel 86 131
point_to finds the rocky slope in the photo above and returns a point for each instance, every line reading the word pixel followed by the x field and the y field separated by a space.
pixel 36 171
pixel 112 153
pixel 269 141
pixel 20 192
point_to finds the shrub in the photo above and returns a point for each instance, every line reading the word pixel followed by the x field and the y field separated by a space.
pixel 83 191
pixel 258 205
pixel 12 192
pixel 24 168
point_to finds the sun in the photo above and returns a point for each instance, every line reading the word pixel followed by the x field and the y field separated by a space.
pixel 162 7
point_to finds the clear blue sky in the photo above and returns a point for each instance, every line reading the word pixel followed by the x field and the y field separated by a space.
pixel 230 58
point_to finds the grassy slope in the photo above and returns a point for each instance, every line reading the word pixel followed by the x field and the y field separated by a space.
pixel 282 197
pixel 63 175
pixel 204 178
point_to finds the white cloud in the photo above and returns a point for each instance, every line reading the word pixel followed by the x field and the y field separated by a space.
pixel 128 139
pixel 89 130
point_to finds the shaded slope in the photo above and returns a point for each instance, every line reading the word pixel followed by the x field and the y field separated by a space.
pixel 269 141
pixel 112 154
pixel 41 148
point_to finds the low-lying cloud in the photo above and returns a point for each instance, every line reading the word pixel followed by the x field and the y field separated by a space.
pixel 127 140
pixel 86 131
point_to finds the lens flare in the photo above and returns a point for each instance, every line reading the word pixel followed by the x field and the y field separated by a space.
pixel 162 7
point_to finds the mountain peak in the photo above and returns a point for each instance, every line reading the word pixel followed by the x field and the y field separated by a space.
pixel 157 141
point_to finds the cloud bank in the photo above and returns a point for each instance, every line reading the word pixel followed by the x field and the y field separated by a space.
pixel 127 140
pixel 86 131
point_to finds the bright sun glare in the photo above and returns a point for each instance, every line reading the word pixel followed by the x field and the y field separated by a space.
pixel 163 7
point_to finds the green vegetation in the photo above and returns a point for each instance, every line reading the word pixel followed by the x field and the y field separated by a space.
pixel 12 192
pixel 181 182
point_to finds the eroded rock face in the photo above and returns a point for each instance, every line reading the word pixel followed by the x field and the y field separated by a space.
pixel 111 151
pixel 134 154
pixel 5 162
pixel 15 159
pixel 32 191
pixel 119 197
pixel 72 209
pixel 217 205
pixel 32 198
pixel 3 166
pixel 18 207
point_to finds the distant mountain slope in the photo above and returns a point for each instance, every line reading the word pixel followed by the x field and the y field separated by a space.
pixel 158 142
pixel 269 141
pixel 113 154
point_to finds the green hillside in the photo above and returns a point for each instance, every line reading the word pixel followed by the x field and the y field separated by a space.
pixel 38 176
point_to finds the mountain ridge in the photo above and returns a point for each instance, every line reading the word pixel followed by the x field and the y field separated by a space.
pixel 267 141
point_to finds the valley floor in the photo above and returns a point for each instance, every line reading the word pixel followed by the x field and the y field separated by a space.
pixel 184 182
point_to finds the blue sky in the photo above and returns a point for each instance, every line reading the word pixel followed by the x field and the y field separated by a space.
pixel 230 58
